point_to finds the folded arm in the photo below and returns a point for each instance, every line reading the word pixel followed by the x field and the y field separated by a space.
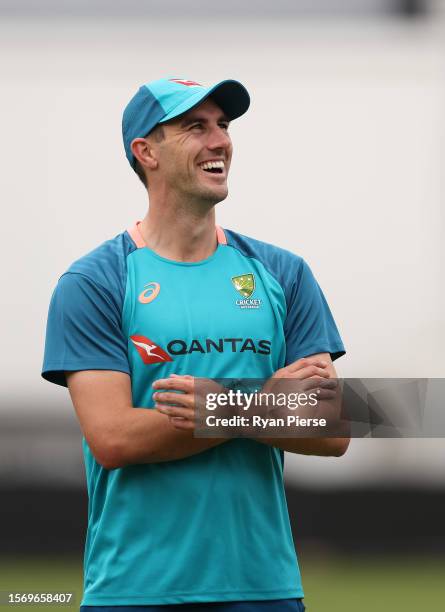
pixel 319 365
pixel 315 365
pixel 120 434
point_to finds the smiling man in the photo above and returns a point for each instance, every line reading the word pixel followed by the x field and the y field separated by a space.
pixel 175 521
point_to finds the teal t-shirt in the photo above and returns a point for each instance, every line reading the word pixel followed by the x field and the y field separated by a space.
pixel 213 526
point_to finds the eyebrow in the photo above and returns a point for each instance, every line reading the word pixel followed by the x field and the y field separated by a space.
pixel 197 119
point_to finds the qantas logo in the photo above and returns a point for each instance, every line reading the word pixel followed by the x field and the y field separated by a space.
pixel 234 345
pixel 149 350
pixel 186 82
pixel 152 289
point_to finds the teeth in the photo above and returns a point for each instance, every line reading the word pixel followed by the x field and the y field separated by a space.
pixel 212 164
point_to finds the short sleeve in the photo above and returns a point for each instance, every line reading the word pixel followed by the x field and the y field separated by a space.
pixel 309 327
pixel 83 330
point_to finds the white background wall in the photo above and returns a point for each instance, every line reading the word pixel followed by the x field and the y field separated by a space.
pixel 339 159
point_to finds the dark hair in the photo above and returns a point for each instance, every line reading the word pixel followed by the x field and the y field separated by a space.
pixel 158 135
pixel 140 172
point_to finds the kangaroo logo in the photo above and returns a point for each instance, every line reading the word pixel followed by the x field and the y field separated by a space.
pixel 146 349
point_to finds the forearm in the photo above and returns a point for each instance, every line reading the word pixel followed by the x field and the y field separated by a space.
pixel 328 407
pixel 146 436
pixel 119 434
pixel 333 442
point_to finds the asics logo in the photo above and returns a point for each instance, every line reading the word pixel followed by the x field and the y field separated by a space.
pixel 152 289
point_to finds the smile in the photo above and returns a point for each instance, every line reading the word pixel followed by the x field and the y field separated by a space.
pixel 214 167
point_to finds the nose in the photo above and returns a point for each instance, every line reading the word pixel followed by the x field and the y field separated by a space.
pixel 219 139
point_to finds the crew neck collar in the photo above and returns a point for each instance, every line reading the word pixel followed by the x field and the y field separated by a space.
pixel 138 239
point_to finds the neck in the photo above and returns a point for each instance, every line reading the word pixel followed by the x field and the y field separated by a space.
pixel 182 231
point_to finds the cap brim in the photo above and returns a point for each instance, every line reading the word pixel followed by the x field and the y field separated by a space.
pixel 231 96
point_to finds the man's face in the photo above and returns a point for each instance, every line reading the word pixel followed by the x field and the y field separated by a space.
pixel 194 157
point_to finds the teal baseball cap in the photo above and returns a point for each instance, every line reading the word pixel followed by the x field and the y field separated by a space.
pixel 164 99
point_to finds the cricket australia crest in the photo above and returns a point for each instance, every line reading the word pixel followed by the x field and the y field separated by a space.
pixel 245 285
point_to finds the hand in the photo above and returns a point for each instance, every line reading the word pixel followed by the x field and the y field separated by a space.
pixel 313 370
pixel 181 407
pixel 305 376
pixel 307 367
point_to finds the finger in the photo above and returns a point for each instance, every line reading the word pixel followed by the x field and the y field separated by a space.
pixel 310 371
pixel 322 381
pixel 305 362
pixel 325 394
pixel 316 382
pixel 174 411
pixel 179 383
pixel 328 383
pixel 187 376
pixel 176 399
pixel 325 390
pixel 179 423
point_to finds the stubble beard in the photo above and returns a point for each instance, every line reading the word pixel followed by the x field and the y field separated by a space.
pixel 203 196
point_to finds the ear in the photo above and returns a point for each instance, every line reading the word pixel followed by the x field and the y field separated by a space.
pixel 144 153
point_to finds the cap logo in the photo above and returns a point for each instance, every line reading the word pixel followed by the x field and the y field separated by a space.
pixel 185 82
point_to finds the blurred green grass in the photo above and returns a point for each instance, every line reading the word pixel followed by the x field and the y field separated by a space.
pixel 39 575
pixel 332 584
pixel 371 584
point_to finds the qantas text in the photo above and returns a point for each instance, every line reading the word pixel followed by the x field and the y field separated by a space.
pixel 235 345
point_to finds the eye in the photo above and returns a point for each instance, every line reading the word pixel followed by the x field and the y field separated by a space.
pixel 196 125
pixel 224 125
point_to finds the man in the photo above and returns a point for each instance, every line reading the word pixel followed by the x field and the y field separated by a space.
pixel 175 519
